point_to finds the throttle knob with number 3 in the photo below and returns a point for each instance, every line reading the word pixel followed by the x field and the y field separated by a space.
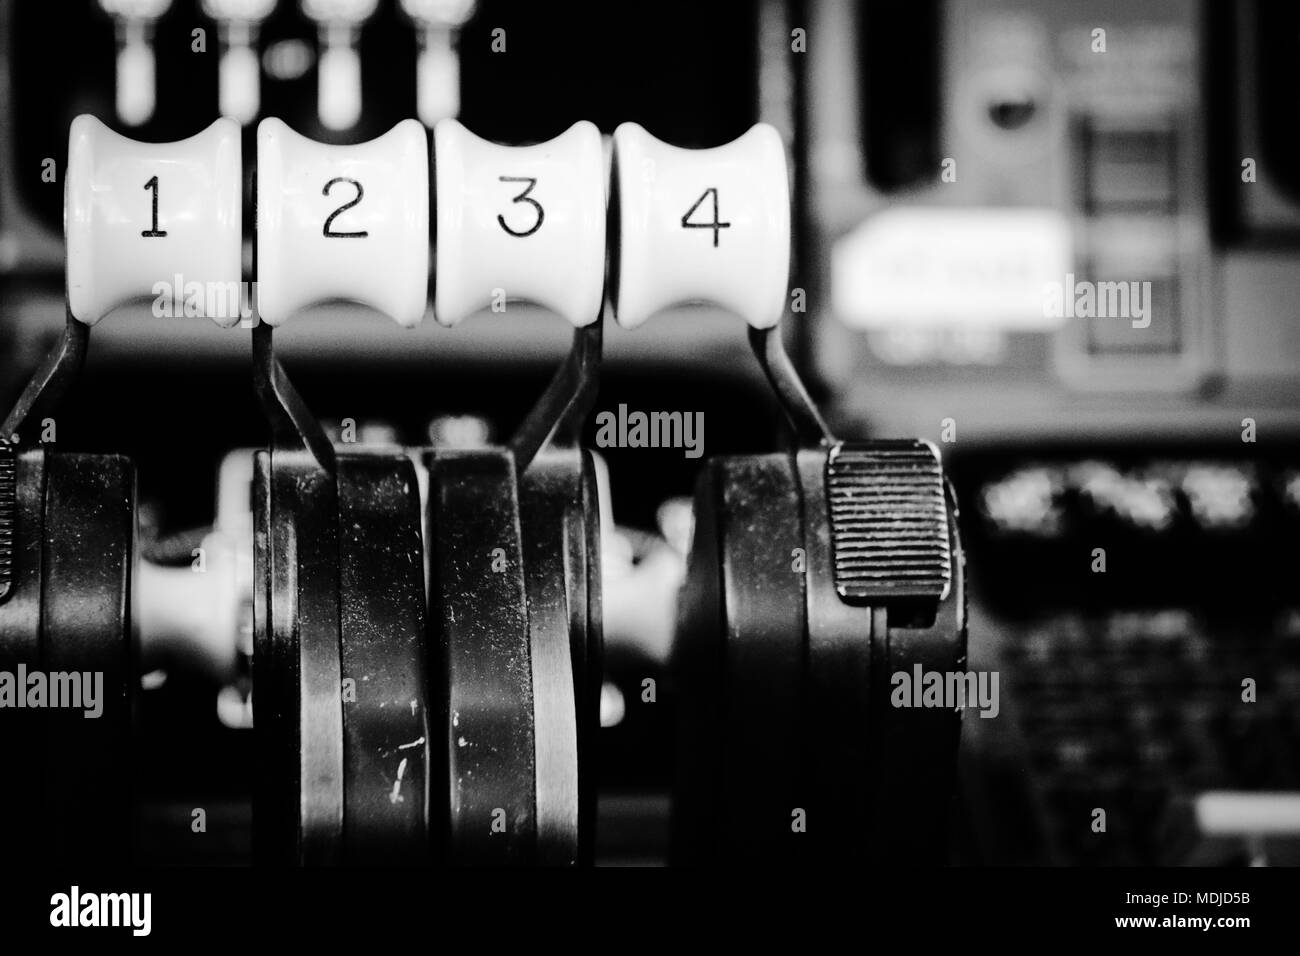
pixel 701 225
pixel 520 222
pixel 343 222
pixel 139 218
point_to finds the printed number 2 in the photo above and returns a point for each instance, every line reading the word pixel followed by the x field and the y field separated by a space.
pixel 523 197
pixel 153 232
pixel 330 234
pixel 715 225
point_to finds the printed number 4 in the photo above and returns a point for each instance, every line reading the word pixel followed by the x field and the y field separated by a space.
pixel 715 225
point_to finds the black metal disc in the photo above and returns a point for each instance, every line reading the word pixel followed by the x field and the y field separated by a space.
pixel 560 520
pixel 839 690
pixel 739 670
pixel 88 567
pixel 483 679
pixel 297 680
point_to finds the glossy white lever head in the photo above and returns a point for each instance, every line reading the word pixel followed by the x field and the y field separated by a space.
pixel 520 222
pixel 700 225
pixel 342 222
pixel 153 219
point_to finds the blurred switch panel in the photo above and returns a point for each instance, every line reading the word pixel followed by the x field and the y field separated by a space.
pixel 1148 131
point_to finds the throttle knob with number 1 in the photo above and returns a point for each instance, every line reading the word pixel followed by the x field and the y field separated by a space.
pixel 523 222
pixel 343 222
pixel 141 217
pixel 701 225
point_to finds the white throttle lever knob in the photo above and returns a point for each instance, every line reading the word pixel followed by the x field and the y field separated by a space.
pixel 700 225
pixel 522 222
pixel 153 219
pixel 342 222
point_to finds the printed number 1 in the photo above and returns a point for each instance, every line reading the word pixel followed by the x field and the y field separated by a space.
pixel 154 232
pixel 715 225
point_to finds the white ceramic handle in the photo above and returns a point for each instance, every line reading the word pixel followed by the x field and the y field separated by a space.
pixel 520 223
pixel 343 222
pixel 701 225
pixel 154 220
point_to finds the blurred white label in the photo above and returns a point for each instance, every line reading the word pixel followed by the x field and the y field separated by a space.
pixel 923 266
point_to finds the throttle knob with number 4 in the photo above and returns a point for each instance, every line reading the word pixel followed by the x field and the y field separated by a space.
pixel 343 222
pixel 521 222
pixel 701 225
pixel 139 218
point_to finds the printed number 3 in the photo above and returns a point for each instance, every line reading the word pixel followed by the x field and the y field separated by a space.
pixel 523 197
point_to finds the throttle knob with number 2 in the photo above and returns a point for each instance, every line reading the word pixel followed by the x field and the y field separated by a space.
pixel 520 222
pixel 343 222
pixel 141 218
pixel 701 225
